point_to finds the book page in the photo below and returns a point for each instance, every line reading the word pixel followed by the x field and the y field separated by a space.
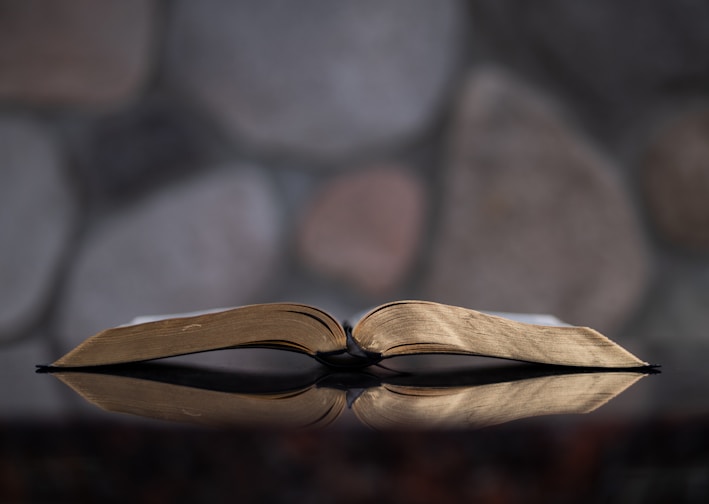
pixel 412 327
pixel 284 325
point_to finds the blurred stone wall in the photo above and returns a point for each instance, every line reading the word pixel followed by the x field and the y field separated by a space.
pixel 165 156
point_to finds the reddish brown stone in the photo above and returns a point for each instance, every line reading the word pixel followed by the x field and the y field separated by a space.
pixel 364 228
pixel 74 52
pixel 675 180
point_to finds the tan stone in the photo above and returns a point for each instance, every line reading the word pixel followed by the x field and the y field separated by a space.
pixel 364 228
pixel 675 180
pixel 74 52
pixel 534 219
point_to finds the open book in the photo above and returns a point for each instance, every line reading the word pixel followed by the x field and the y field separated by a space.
pixel 393 329
pixel 471 399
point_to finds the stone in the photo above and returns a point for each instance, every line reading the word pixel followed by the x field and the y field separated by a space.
pixel 74 52
pixel 674 173
pixel 136 149
pixel 316 78
pixel 674 320
pixel 38 215
pixel 210 242
pixel 610 57
pixel 533 218
pixel 364 228
pixel 671 331
pixel 27 395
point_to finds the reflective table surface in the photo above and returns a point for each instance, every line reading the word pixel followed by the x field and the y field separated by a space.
pixel 417 430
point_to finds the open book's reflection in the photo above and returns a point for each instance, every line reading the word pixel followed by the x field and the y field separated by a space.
pixel 469 399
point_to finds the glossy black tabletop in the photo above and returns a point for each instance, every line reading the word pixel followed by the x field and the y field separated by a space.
pixel 416 430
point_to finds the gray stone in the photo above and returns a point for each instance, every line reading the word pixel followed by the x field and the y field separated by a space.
pixel 37 217
pixel 365 228
pixel 674 173
pixel 211 242
pixel 136 149
pixel 674 322
pixel 26 395
pixel 613 57
pixel 671 331
pixel 534 218
pixel 74 52
pixel 315 77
